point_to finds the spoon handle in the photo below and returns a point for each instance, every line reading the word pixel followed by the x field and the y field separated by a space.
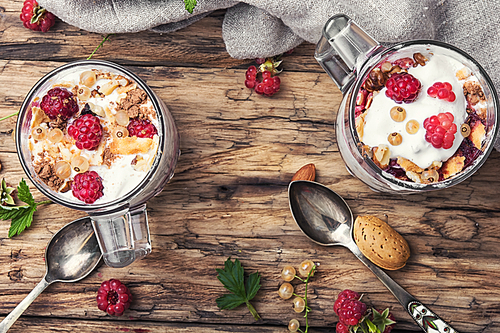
pixel 21 307
pixel 425 318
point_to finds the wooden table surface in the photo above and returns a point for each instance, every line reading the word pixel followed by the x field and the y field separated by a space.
pixel 228 198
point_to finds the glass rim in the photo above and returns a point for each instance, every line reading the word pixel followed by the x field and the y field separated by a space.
pixel 116 203
pixel 464 174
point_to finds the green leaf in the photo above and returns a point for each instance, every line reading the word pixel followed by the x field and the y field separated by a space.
pixel 381 319
pixel 233 279
pixel 189 5
pixel 21 222
pixel 252 285
pixel 24 194
pixel 229 301
pixel 372 327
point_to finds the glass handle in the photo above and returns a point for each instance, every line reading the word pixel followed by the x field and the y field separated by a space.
pixel 114 235
pixel 342 49
pixel 140 229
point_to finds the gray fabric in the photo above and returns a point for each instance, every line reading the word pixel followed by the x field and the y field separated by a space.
pixel 259 28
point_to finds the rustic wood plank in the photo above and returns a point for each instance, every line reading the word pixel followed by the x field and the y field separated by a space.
pixel 37 324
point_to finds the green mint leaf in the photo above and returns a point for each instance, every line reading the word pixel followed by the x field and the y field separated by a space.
pixel 189 5
pixel 233 279
pixel 229 301
pixel 22 221
pixel 252 285
pixel 24 194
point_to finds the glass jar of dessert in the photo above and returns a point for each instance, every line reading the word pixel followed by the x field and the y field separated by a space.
pixel 92 136
pixel 419 116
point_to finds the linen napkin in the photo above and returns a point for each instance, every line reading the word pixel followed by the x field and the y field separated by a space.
pixel 260 28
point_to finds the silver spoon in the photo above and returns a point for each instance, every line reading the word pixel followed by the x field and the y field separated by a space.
pixel 325 218
pixel 72 253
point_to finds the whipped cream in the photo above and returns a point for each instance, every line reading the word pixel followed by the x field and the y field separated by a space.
pixel 379 124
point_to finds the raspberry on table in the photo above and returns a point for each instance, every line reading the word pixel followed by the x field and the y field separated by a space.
pixel 341 328
pixel 351 311
pixel 87 187
pixel 344 295
pixel 87 131
pixel 113 297
pixel 141 128
pixel 35 17
pixel 59 103
pixel 402 87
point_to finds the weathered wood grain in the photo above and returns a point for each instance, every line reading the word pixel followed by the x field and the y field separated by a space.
pixel 229 198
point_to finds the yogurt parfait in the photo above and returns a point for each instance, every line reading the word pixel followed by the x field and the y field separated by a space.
pixel 93 135
pixel 422 117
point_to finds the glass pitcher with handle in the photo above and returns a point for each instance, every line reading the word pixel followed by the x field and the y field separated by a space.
pixel 393 151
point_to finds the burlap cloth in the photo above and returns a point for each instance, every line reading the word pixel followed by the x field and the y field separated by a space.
pixel 259 28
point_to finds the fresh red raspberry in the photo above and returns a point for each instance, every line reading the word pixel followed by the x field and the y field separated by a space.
pixel 59 102
pixel 351 311
pixel 141 128
pixel 113 297
pixel 87 187
pixel 269 85
pixel 402 87
pixel 442 90
pixel 344 295
pixel 342 328
pixel 35 17
pixel 440 130
pixel 87 131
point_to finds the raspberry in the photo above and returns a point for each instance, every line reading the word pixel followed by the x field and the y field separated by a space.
pixel 87 131
pixel 269 85
pixel 35 17
pixel 113 297
pixel 440 130
pixel 442 90
pixel 402 87
pixel 344 295
pixel 59 102
pixel 87 187
pixel 342 328
pixel 141 128
pixel 351 311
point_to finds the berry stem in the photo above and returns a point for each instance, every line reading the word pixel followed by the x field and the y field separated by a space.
pixel 99 46
pixel 297 277
pixel 11 115
pixel 252 310
pixel 305 297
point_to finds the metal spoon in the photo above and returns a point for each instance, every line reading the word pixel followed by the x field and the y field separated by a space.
pixel 325 218
pixel 72 253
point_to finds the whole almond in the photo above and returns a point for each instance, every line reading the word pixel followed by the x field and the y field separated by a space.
pixel 307 172
pixel 380 243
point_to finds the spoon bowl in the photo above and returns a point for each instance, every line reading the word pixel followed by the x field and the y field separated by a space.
pixel 326 219
pixel 72 253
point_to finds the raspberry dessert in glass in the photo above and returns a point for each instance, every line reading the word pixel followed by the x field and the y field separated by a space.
pixel 419 116
pixel 92 136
